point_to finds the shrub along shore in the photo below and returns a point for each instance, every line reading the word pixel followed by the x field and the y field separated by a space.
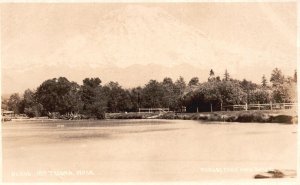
pixel 288 117
pixel 258 116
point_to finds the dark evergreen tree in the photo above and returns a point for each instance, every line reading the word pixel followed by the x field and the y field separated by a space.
pixel 264 82
pixel 226 76
pixel 211 76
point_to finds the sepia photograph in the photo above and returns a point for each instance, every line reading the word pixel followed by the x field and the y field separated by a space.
pixel 143 92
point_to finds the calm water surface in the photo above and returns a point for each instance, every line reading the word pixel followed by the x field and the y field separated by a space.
pixel 144 150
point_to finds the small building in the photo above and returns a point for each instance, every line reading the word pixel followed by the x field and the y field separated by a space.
pixel 7 113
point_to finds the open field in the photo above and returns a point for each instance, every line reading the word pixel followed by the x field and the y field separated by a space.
pixel 144 150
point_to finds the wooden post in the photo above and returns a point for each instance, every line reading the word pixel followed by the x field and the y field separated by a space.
pixel 221 106
pixel 211 108
pixel 271 105
pixel 197 110
pixel 246 106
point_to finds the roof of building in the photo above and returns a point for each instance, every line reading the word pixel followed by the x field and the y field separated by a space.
pixel 7 112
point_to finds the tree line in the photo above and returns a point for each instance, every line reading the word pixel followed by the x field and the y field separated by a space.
pixel 92 99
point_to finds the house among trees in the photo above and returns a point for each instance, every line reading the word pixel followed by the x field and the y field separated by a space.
pixel 7 113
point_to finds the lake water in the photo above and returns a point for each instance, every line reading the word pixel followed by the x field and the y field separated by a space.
pixel 144 150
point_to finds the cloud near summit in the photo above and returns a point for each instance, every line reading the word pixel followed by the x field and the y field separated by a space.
pixel 233 36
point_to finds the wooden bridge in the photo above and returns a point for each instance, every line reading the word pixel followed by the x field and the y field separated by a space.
pixel 269 106
pixel 154 109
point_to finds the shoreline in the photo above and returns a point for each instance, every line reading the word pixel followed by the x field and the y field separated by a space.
pixel 261 116
pixel 239 116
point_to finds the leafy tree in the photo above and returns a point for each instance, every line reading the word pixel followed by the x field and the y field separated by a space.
pixel 284 89
pixel 289 80
pixel 285 93
pixel 277 77
pixel 180 87
pixel 232 93
pixel 35 110
pixel 28 98
pixel 167 81
pixel 15 103
pixel 118 99
pixel 93 98
pixel 92 82
pixel 126 103
pixel 169 98
pixel 194 81
pixel 194 101
pixel 152 94
pixel 211 94
pixel 58 95
pixel 136 98
pixel 113 93
pixel 248 85
pixel 31 107
pixel 260 96
pixel 214 94
pixel 4 103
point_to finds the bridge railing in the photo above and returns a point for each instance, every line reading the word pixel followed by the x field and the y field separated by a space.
pixel 268 106
pixel 154 109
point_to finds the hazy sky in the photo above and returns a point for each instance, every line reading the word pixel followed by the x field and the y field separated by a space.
pixel 245 38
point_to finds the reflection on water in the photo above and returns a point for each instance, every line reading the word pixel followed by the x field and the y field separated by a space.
pixel 84 136
pixel 144 150
pixel 46 132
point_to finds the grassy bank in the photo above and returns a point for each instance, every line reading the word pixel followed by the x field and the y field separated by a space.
pixel 262 116
pixel 130 115
pixel 266 116
pixel 237 116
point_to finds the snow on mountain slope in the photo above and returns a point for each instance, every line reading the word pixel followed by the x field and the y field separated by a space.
pixel 134 43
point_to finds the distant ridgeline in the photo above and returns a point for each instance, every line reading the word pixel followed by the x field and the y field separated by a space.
pixel 59 96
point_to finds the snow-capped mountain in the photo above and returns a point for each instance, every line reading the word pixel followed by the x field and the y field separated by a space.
pixel 132 44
